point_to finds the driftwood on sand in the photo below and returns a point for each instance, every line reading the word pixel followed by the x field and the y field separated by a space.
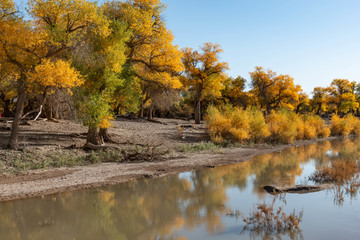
pixel 297 189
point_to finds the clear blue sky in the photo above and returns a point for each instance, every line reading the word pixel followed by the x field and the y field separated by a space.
pixel 314 41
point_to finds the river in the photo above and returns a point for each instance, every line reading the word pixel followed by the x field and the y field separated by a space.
pixel 195 205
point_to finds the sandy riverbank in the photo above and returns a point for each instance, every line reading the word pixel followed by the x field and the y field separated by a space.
pixel 46 136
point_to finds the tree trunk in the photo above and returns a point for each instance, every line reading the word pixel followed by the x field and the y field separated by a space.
pixel 150 116
pixel 14 138
pixel 141 112
pixel 93 137
pixel 7 112
pixel 197 111
pixel 105 135
pixel 50 112
pixel 268 109
pixel 57 111
pixel 318 111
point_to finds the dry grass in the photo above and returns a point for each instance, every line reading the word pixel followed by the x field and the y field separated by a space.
pixel 15 162
pixel 148 153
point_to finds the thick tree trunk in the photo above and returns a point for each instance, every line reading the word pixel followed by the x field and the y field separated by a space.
pixel 14 138
pixel 197 111
pixel 105 135
pixel 93 137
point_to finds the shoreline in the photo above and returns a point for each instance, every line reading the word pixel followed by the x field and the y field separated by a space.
pixel 37 183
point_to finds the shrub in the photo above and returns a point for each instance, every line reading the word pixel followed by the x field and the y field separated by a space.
pixel 258 128
pixel 354 123
pixel 282 126
pixel 316 127
pixel 218 124
pixel 324 132
pixel 340 126
pixel 239 125
pixel 236 124
pixel 345 126
pixel 356 127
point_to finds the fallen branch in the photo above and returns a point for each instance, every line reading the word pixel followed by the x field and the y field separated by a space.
pixel 297 188
pixel 54 120
pixel 38 115
pixel 31 112
pixel 38 110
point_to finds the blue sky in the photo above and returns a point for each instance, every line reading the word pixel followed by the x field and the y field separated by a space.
pixel 314 41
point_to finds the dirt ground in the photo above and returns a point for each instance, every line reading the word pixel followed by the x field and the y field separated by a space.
pixel 46 136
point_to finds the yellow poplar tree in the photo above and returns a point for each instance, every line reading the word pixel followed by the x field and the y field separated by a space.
pixel 342 96
pixel 56 26
pixel 302 103
pixel 319 101
pixel 155 60
pixel 235 93
pixel 273 91
pixel 204 74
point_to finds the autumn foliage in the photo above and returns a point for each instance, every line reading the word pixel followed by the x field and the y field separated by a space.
pixel 238 125
pixel 119 57
pixel 345 126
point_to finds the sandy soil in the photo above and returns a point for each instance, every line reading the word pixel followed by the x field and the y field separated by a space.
pixel 46 135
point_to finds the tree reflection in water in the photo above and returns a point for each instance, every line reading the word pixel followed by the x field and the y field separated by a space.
pixel 165 208
pixel 265 234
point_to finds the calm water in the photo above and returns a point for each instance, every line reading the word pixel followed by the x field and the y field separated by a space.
pixel 193 205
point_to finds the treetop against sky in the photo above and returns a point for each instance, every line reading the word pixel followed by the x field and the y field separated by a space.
pixel 313 41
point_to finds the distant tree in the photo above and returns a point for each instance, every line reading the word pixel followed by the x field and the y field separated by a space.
pixel 234 92
pixel 204 74
pixel 302 104
pixel 319 101
pixel 273 91
pixel 342 98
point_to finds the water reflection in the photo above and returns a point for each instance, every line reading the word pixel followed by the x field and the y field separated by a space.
pixel 187 206
pixel 264 234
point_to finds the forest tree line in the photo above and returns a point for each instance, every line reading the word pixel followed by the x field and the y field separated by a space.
pixel 79 59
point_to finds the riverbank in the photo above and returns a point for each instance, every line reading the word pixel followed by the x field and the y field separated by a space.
pixel 66 138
